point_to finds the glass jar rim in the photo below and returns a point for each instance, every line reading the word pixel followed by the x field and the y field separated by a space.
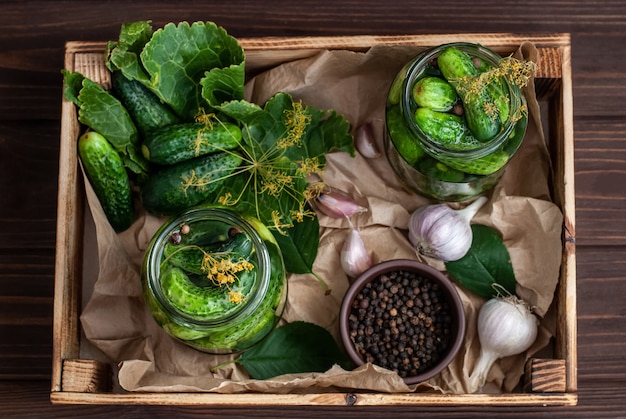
pixel 416 67
pixel 156 248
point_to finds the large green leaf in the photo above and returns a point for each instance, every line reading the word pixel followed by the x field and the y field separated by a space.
pixel 177 58
pixel 486 269
pixel 297 347
pixel 272 158
pixel 279 141
pixel 105 114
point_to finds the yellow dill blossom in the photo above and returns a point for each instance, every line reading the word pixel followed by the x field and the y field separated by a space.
pixel 235 297
pixel 206 118
pixel 198 182
pixel 310 166
pixel 523 110
pixel 296 121
pixel 469 85
pixel 314 190
pixel 223 271
pixel 302 212
pixel 226 199
pixel 490 108
pixel 516 71
pixel 278 223
pixel 199 142
pixel 274 181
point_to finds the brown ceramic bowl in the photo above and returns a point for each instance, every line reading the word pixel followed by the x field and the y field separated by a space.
pixel 403 315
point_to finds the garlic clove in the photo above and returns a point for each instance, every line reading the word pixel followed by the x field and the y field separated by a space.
pixel 365 142
pixel 354 256
pixel 338 204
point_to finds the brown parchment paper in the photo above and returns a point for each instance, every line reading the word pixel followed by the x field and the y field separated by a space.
pixel 354 84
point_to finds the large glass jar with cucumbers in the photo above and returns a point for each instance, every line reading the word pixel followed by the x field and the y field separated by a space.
pixel 215 280
pixel 455 116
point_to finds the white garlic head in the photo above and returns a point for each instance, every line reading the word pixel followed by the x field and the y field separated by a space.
pixel 441 232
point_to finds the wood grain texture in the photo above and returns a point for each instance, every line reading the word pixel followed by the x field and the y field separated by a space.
pixel 545 375
pixel 31 56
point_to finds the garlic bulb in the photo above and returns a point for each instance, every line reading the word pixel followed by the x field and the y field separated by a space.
pixel 506 327
pixel 442 232
pixel 354 256
pixel 337 204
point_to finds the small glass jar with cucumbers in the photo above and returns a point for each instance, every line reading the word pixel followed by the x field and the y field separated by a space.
pixel 455 116
pixel 215 280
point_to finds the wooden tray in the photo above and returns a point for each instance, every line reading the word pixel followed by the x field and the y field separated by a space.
pixel 78 378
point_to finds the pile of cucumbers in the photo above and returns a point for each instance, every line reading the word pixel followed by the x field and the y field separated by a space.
pixel 187 160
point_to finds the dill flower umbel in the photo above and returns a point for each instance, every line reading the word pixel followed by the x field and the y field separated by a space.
pixel 223 271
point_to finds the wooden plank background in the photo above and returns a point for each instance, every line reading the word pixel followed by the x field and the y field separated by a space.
pixel 31 56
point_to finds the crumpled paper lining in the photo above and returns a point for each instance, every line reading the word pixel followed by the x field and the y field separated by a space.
pixel 354 84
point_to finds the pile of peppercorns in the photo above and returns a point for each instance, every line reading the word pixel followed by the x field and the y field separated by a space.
pixel 401 321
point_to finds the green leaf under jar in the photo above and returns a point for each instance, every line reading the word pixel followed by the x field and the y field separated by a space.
pixel 296 347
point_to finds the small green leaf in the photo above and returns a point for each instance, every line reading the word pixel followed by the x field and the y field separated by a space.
pixel 297 347
pixel 299 246
pixel 105 114
pixel 242 111
pixel 487 267
pixel 124 54
pixel 221 85
pixel 73 83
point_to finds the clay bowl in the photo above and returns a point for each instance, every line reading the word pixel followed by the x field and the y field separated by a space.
pixel 403 315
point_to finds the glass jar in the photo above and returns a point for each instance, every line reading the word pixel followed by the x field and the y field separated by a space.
pixel 438 168
pixel 215 280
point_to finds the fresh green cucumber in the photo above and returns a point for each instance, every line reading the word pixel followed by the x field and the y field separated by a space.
pixel 499 93
pixel 434 93
pixel 180 142
pixel 482 115
pixel 409 148
pixel 446 129
pixel 192 299
pixel 455 64
pixel 497 89
pixel 188 183
pixel 144 107
pixel 481 112
pixel 108 177
pixel 254 328
pixel 487 165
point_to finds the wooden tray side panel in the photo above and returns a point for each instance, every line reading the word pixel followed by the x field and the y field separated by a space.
pixel 321 399
pixel 565 194
pixel 264 53
pixel 69 235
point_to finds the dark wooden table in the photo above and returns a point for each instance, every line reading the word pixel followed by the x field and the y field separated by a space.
pixel 32 40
